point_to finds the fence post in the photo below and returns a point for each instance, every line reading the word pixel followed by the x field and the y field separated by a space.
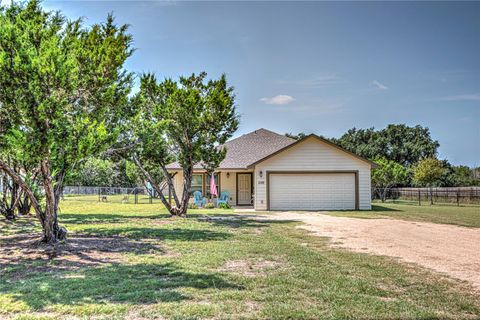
pixel 136 196
pixel 419 198
pixel 458 198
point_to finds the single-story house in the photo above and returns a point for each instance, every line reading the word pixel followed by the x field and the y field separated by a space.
pixel 271 171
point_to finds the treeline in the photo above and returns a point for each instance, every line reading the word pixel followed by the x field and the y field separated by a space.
pixel 402 153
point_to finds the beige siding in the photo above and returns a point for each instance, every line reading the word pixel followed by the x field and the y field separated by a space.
pixel 228 184
pixel 313 155
pixel 178 183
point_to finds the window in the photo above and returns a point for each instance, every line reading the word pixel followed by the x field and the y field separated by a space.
pixel 207 185
pixel 197 183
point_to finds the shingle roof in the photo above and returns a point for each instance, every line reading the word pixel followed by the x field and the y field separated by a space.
pixel 248 149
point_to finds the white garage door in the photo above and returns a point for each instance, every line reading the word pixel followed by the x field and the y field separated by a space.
pixel 312 191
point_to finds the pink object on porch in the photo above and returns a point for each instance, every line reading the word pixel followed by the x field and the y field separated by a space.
pixel 213 186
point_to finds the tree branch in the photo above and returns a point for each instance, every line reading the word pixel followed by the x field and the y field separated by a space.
pixel 111 151
pixel 23 185
pixel 152 182
pixel 170 183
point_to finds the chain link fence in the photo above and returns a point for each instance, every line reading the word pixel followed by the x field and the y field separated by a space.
pixel 449 196
pixel 139 195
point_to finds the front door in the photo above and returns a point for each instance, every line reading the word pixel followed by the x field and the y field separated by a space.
pixel 244 188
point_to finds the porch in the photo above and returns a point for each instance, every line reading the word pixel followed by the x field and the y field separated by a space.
pixel 238 183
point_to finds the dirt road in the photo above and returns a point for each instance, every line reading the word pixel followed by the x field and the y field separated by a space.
pixel 444 248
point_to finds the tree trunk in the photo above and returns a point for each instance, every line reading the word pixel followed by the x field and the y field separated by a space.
pixel 58 190
pixel 7 207
pixel 24 205
pixel 48 217
pixel 168 178
pixel 52 233
pixel 181 205
pixel 19 181
pixel 187 184
pixel 157 188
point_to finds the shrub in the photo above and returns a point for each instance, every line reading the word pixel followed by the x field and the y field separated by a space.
pixel 192 206
pixel 209 205
pixel 224 206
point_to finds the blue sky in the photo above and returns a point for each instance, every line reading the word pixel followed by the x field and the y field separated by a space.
pixel 320 67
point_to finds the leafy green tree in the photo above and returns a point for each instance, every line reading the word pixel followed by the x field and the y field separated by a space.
pixel 476 173
pixel 302 135
pixel 363 142
pixel 62 88
pixel 127 174
pixel 397 142
pixel 427 173
pixel 184 121
pixel 465 176
pixel 94 172
pixel 133 174
pixel 458 176
pixel 388 174
pixel 98 172
pixel 298 136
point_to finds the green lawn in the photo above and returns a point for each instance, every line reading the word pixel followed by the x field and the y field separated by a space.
pixel 468 216
pixel 126 261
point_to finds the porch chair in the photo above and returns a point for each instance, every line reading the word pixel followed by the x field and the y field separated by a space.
pixel 224 196
pixel 199 200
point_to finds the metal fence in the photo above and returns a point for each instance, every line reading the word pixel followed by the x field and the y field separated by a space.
pixel 111 194
pixel 452 196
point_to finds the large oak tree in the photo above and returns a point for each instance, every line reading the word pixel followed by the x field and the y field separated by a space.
pixel 62 86
pixel 397 142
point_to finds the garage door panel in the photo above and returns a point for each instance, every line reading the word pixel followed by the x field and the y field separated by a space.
pixel 315 191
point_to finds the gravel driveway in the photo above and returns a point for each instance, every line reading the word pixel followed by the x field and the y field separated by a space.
pixel 444 248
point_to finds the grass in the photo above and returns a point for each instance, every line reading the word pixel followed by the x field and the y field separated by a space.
pixel 467 216
pixel 126 261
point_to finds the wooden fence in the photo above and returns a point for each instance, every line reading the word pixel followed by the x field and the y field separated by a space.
pixel 457 195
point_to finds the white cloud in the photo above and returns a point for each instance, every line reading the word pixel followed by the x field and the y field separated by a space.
pixel 379 85
pixel 280 99
pixel 462 97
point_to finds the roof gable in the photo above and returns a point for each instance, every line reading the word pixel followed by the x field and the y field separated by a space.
pixel 249 148
pixel 320 139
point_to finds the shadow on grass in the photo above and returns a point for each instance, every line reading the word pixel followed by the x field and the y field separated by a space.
pixel 131 284
pixel 92 218
pixel 175 234
pixel 22 224
pixel 240 221
pixel 23 255
pixel 377 207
